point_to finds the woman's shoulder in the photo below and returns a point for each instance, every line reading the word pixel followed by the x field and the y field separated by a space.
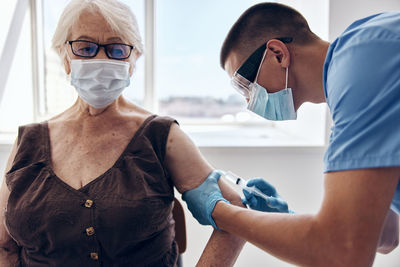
pixel 143 116
pixel 158 125
pixel 30 129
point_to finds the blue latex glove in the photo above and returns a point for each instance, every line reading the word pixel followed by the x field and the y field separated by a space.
pixel 201 200
pixel 275 203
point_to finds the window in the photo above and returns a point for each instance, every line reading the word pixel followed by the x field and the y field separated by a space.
pixel 192 87
pixel 188 82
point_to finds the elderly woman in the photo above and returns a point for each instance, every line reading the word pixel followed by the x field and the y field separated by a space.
pixel 93 186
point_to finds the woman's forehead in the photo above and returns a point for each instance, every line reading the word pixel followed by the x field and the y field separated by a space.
pixel 93 27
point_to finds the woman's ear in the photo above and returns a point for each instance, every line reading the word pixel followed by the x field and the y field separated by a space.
pixel 131 69
pixel 132 62
pixel 66 62
pixel 280 52
pixel 67 66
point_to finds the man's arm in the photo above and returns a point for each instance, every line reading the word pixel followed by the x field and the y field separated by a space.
pixel 345 232
pixel 9 251
pixel 189 169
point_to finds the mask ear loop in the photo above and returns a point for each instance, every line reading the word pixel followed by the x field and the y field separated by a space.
pixel 259 67
pixel 287 70
pixel 252 91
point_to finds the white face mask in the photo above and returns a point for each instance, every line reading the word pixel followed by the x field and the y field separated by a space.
pixel 277 106
pixel 99 82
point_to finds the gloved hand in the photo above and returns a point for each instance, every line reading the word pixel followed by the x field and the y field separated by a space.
pixel 274 204
pixel 202 199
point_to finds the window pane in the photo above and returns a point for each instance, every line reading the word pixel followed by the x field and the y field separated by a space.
pixel 59 94
pixel 6 13
pixel 190 81
pixel 16 107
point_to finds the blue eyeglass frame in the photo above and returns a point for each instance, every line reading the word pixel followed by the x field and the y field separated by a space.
pixel 245 75
pixel 98 49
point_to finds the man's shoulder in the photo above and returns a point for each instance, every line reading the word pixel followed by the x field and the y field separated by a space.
pixel 381 21
pixel 363 47
pixel 378 27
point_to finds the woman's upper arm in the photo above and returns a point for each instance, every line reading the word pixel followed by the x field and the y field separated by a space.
pixel 4 193
pixel 188 167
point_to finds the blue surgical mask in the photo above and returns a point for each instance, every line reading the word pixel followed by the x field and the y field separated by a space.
pixel 272 106
pixel 99 82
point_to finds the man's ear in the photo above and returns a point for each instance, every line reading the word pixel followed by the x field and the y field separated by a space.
pixel 280 52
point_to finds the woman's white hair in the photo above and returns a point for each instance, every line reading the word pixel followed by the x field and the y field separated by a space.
pixel 117 14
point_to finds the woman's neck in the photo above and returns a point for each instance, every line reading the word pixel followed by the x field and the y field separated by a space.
pixel 83 108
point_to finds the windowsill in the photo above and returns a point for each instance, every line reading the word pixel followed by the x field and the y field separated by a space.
pixel 226 136
pixel 7 139
pixel 245 136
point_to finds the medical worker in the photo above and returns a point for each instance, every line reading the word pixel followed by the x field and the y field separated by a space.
pixel 277 64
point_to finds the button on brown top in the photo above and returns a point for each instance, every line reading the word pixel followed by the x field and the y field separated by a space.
pixel 89 203
pixel 90 231
pixel 94 256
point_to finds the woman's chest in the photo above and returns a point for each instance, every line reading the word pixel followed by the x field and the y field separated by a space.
pixel 116 216
pixel 78 158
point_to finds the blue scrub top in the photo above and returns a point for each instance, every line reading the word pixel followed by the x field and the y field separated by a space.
pixel 362 89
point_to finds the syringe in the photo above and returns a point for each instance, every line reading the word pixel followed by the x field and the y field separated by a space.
pixel 233 178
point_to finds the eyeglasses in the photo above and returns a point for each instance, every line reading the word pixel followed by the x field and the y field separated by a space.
pixel 245 75
pixel 82 48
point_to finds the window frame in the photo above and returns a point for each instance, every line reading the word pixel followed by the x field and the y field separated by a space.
pixel 38 58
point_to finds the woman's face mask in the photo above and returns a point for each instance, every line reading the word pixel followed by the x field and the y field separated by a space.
pixel 99 82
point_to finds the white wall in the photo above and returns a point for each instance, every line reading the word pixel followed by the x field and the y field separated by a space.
pixel 343 12
pixel 4 151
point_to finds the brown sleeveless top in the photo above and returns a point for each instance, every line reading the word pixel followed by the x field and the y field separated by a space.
pixel 122 218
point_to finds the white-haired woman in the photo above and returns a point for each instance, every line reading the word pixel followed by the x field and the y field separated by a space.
pixel 93 186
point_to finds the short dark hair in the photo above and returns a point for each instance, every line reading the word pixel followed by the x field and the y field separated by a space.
pixel 261 23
